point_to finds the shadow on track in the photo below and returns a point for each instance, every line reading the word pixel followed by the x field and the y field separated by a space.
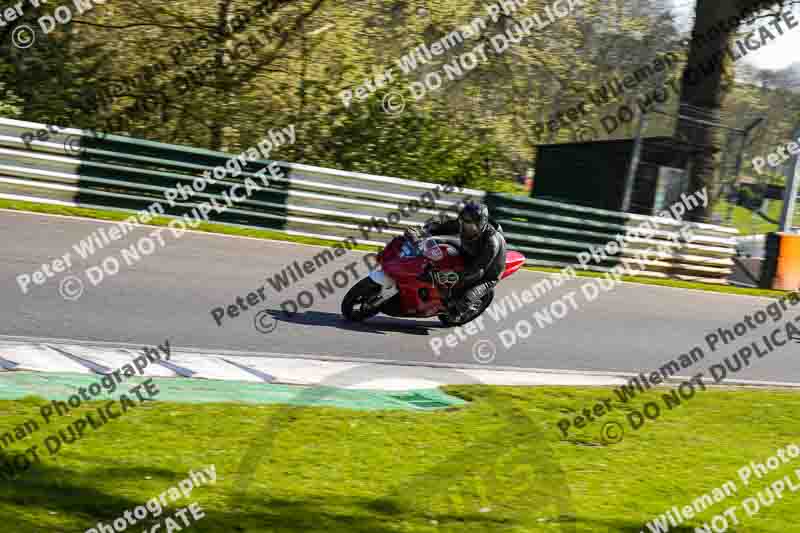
pixel 380 325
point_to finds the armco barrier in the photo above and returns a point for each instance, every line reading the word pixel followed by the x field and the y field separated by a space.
pixel 125 173
pixel 122 173
pixel 554 233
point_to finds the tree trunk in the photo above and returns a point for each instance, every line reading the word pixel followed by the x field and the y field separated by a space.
pixel 701 94
pixel 702 87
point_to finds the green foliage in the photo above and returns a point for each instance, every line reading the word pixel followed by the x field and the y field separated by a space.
pixel 746 196
pixel 9 103
pixel 312 51
pixel 416 144
pixel 477 129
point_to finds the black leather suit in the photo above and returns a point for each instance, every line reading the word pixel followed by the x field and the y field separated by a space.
pixel 485 260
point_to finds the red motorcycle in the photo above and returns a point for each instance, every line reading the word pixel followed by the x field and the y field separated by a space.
pixel 416 278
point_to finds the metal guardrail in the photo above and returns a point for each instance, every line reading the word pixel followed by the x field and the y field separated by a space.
pixel 130 174
pixel 122 173
pixel 553 234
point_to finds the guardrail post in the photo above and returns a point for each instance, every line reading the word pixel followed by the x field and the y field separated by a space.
pixel 790 193
pixel 634 165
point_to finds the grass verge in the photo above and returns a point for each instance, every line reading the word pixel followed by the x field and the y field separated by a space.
pixel 280 236
pixel 499 464
pixel 748 223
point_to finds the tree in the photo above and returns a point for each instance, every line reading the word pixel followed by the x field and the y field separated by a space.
pixel 704 83
pixel 9 103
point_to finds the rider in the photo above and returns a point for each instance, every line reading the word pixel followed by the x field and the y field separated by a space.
pixel 484 248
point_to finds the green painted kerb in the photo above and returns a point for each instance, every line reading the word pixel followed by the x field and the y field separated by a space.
pixel 16 385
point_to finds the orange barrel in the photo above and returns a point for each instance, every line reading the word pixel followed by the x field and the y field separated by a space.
pixel 787 273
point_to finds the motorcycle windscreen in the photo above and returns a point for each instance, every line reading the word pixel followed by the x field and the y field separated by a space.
pixel 431 250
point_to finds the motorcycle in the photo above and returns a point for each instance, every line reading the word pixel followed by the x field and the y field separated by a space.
pixel 415 279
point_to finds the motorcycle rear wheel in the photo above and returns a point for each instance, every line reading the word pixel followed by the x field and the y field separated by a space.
pixel 358 296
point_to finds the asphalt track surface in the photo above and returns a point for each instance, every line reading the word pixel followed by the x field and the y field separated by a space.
pixel 169 295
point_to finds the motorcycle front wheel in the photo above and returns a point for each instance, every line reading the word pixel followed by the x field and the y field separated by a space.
pixel 355 306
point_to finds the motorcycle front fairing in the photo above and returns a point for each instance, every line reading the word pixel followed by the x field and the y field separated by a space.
pixel 403 263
